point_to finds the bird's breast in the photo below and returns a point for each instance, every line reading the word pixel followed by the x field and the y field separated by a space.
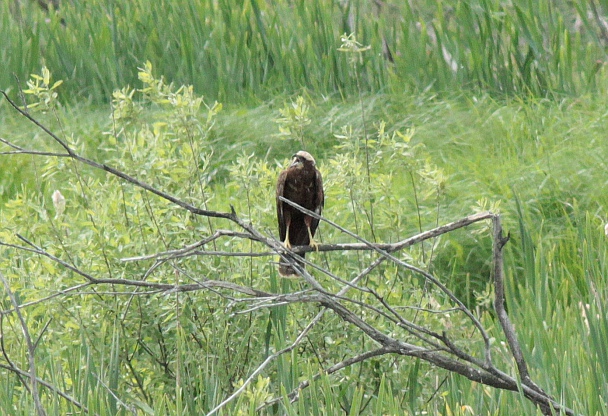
pixel 300 188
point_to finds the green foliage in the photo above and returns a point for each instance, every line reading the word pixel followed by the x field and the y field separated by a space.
pixel 430 161
pixel 294 117
pixel 148 351
pixel 40 88
pixel 236 51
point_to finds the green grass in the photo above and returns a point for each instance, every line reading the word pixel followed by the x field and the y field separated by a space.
pixel 518 125
pixel 243 51
pixel 541 159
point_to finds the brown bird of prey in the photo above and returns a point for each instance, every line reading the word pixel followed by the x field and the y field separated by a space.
pixel 301 183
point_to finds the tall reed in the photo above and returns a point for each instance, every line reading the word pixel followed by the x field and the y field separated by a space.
pixel 235 51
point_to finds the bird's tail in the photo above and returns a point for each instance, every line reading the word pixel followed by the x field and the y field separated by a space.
pixel 286 270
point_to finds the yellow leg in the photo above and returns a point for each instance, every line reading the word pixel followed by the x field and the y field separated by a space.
pixel 312 242
pixel 286 243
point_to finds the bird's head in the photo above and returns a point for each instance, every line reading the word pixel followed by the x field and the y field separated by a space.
pixel 302 158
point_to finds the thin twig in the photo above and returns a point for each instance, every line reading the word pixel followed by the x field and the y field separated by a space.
pixel 267 361
pixel 31 349
pixel 294 395
pixel 116 172
pixel 186 249
pixel 48 385
pixel 61 292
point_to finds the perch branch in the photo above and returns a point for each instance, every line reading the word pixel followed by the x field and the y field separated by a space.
pixel 418 238
pixel 191 249
pixel 429 277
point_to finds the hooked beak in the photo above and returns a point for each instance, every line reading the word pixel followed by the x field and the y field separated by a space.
pixel 294 162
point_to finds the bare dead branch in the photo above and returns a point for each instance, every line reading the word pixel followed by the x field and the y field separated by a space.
pixel 429 277
pixel 485 373
pixel 482 371
pixel 503 317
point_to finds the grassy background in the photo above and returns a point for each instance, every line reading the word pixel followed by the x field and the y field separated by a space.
pixel 522 121
pixel 235 51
